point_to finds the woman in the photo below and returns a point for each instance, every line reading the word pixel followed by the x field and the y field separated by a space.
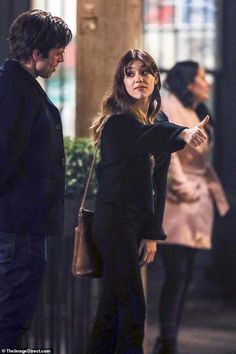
pixel 125 228
pixel 192 189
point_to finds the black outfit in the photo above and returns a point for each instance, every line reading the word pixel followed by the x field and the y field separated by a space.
pixel 31 193
pixel 127 210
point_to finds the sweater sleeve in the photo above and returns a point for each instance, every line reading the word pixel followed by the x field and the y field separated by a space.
pixel 176 143
pixel 131 136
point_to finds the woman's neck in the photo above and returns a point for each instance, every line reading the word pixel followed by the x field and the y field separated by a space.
pixel 143 106
pixel 140 114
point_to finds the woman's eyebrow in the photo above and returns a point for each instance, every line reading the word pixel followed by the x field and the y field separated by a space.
pixel 131 67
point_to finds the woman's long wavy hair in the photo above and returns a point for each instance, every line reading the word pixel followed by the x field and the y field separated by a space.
pixel 179 77
pixel 117 100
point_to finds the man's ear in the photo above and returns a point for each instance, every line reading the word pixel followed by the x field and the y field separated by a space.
pixel 37 55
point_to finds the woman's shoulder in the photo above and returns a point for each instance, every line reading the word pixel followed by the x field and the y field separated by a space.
pixel 170 102
pixel 122 127
pixel 162 117
pixel 120 116
pixel 121 120
pixel 177 112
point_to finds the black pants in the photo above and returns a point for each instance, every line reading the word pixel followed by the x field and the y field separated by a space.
pixel 119 325
pixel 178 266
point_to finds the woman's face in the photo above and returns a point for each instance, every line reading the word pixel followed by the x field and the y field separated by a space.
pixel 138 81
pixel 200 87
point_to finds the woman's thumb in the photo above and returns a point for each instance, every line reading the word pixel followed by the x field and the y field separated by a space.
pixel 204 122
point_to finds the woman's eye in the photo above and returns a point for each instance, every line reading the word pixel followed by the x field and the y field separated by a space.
pixel 129 74
pixel 145 72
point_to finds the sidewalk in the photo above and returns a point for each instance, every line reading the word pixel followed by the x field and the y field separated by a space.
pixel 207 328
pixel 208 325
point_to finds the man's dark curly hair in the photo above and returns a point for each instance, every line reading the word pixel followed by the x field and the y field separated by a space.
pixel 37 29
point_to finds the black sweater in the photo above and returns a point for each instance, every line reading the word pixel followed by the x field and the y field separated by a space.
pixel 125 171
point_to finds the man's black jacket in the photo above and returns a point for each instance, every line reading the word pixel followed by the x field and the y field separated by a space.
pixel 125 174
pixel 31 155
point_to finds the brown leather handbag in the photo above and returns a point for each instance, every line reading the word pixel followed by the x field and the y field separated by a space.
pixel 86 257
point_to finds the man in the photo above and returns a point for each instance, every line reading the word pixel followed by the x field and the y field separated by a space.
pixel 31 166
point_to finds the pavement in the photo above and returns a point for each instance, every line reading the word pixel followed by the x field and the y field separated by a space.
pixel 208 324
pixel 208 327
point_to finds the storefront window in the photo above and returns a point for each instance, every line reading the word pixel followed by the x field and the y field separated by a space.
pixel 176 30
pixel 61 87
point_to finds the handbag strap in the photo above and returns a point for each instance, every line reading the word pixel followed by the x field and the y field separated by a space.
pixel 89 175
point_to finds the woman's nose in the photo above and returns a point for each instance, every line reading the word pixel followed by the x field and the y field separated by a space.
pixel 139 78
pixel 209 81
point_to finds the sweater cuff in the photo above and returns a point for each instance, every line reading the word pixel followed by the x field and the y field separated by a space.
pixel 175 143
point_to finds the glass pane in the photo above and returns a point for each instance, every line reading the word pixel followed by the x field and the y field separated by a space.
pixel 180 29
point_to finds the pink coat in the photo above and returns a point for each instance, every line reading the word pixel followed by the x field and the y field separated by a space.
pixel 193 187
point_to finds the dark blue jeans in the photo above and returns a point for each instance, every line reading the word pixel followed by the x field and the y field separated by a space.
pixel 178 266
pixel 119 325
pixel 22 263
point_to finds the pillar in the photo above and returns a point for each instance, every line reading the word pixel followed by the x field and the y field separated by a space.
pixel 225 149
pixel 106 30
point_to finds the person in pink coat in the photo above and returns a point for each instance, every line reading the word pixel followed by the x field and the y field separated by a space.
pixel 193 189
